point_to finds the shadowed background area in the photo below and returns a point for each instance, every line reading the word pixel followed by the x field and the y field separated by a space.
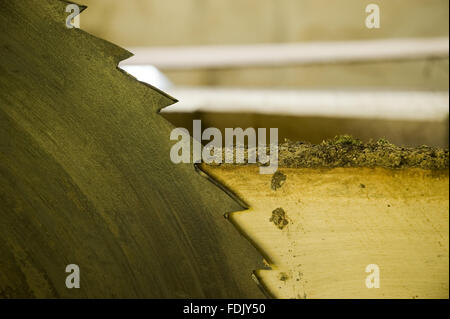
pixel 198 24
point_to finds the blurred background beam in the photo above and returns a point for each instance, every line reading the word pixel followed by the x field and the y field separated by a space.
pixel 226 56
pixel 392 105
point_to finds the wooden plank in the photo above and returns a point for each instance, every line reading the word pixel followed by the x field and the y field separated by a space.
pixel 337 219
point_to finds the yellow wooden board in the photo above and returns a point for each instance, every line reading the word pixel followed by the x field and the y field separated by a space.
pixel 340 221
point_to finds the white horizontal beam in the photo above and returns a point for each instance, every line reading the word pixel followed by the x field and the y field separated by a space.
pixel 391 105
pixel 288 53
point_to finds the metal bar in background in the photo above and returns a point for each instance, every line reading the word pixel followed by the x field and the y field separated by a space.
pixel 398 105
pixel 289 53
